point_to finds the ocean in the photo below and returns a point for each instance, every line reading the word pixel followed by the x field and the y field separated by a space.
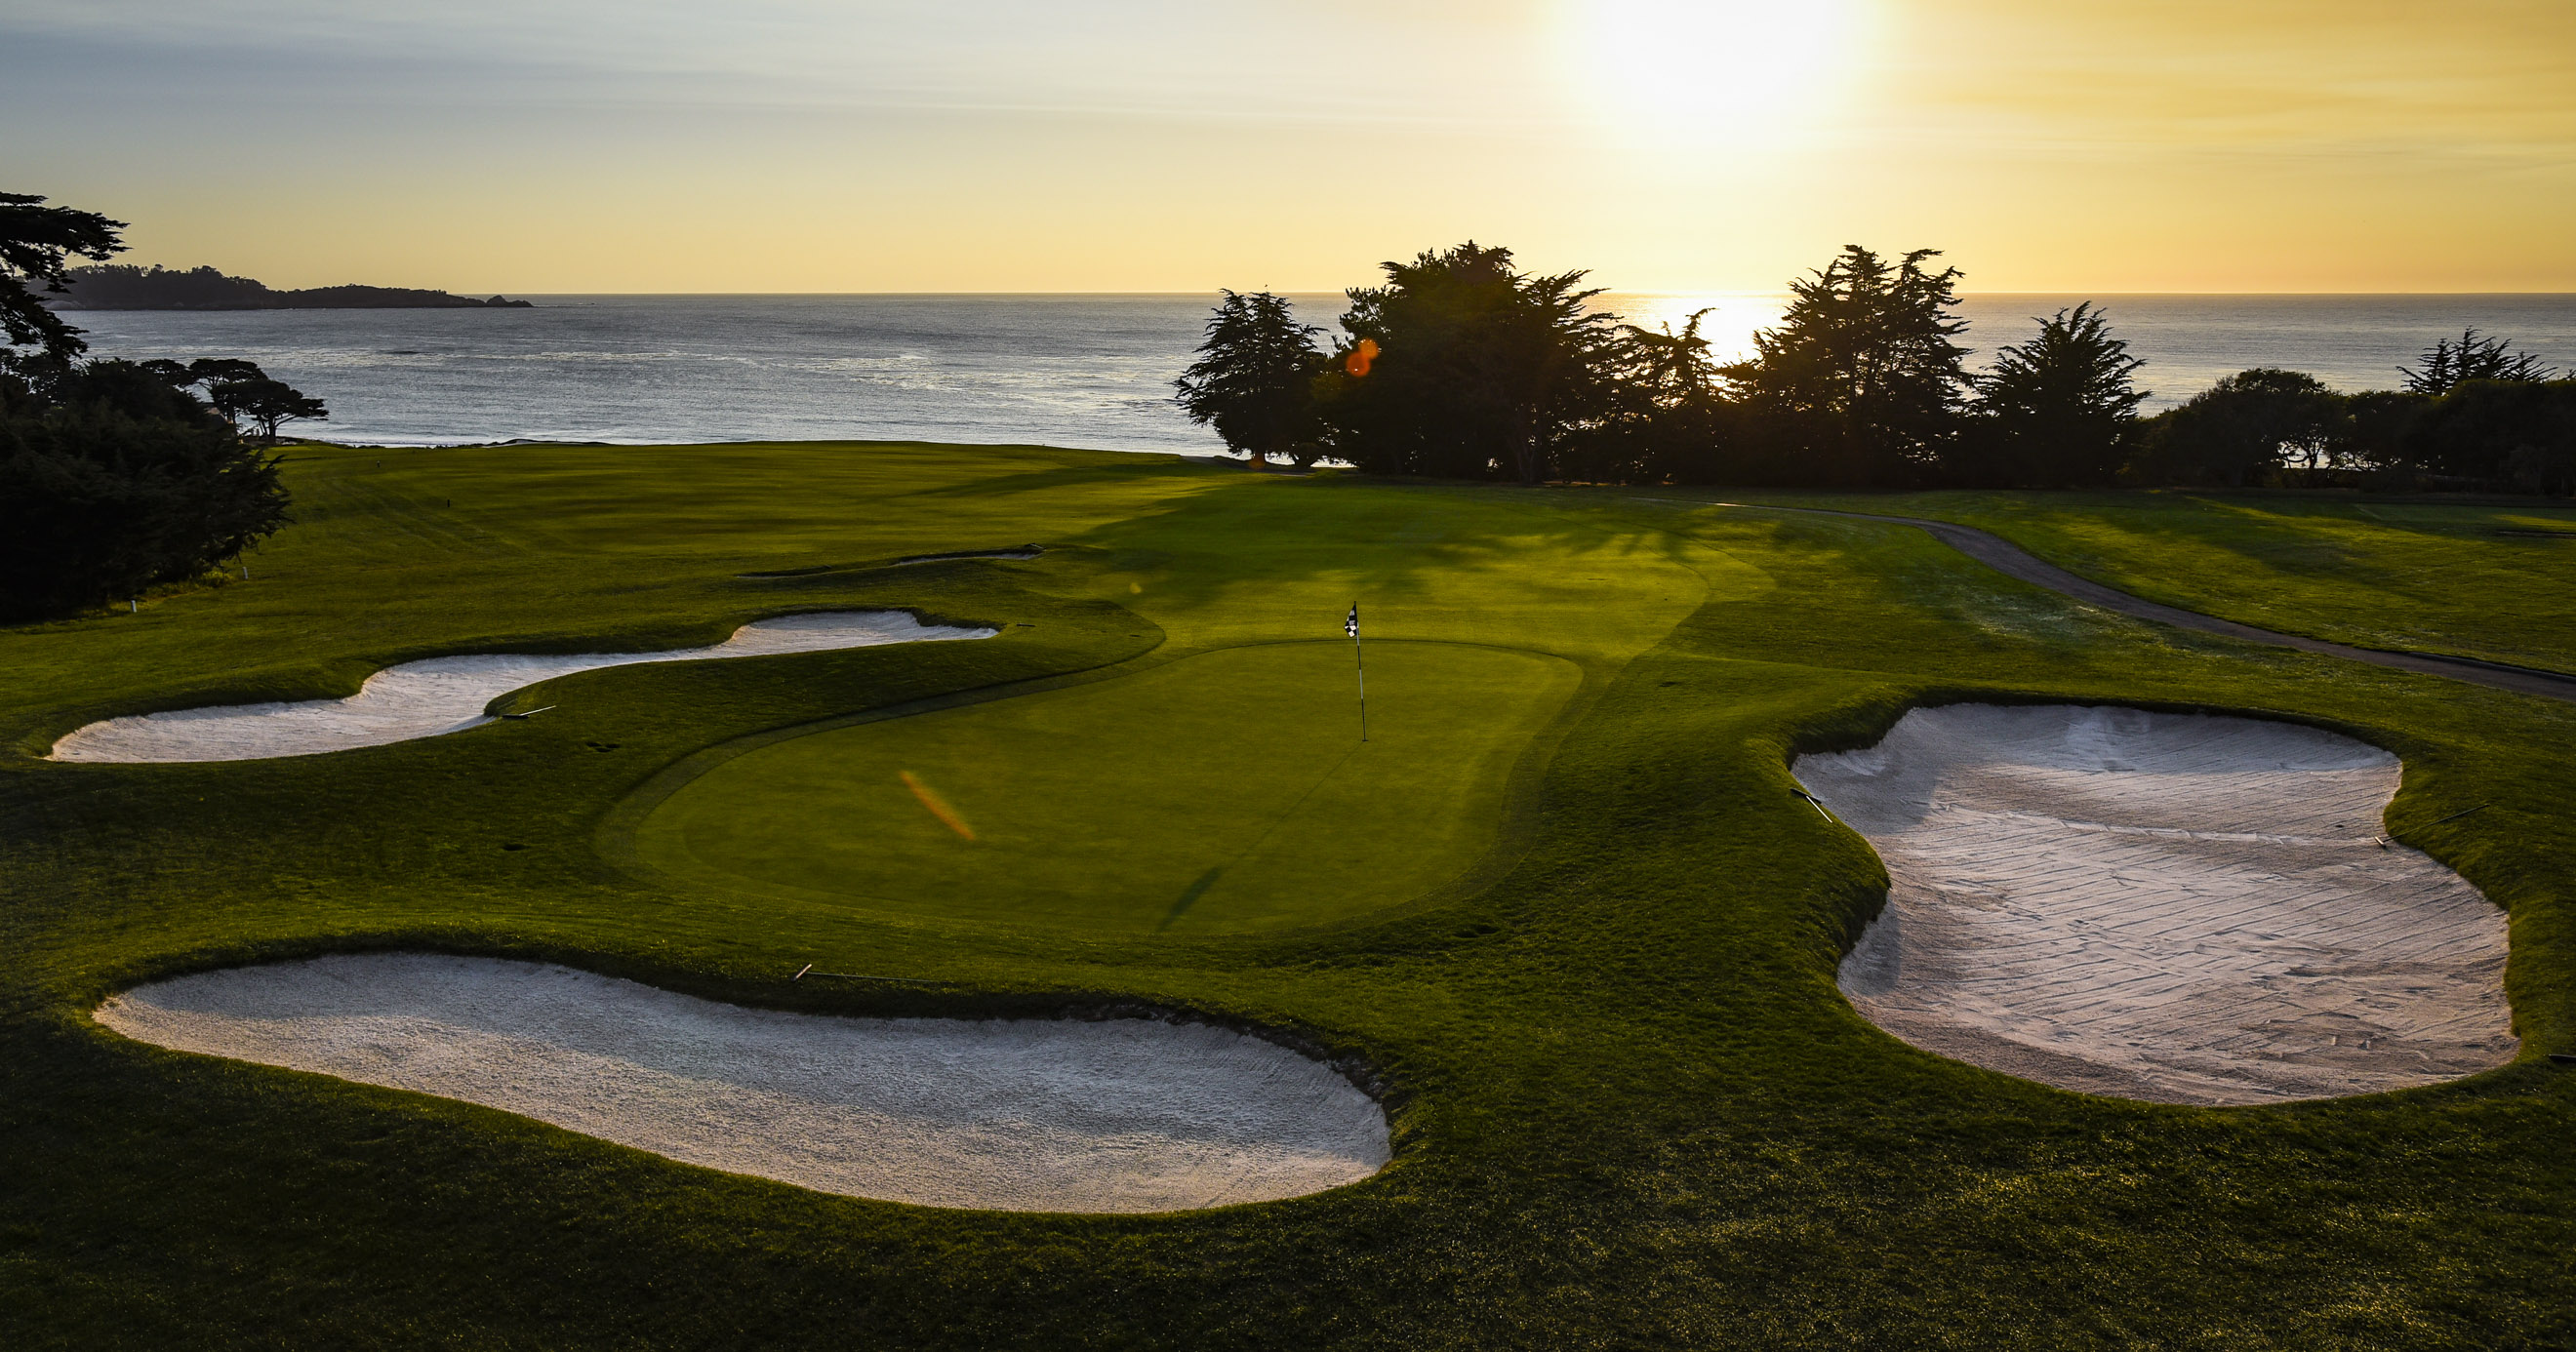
pixel 1090 371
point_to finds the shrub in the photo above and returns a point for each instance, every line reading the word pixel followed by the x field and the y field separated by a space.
pixel 98 503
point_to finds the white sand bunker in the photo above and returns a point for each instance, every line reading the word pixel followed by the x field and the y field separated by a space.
pixel 447 694
pixel 1016 1115
pixel 2157 906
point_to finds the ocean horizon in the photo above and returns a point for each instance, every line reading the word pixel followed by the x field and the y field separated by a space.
pixel 1088 370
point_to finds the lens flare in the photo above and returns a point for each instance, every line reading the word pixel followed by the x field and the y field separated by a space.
pixel 937 805
pixel 1361 358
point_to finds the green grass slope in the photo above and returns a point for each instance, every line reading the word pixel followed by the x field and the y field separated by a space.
pixel 1629 1107
pixel 2495 581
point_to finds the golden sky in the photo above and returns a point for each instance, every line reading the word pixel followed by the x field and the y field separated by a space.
pixel 1157 145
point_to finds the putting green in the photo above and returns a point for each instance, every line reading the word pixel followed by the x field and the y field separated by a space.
pixel 1223 792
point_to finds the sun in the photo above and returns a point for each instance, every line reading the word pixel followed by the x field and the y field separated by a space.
pixel 1690 73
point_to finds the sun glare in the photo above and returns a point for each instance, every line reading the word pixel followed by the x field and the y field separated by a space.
pixel 1746 74
pixel 1728 319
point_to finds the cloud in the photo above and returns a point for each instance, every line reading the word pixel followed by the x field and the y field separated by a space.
pixel 1128 57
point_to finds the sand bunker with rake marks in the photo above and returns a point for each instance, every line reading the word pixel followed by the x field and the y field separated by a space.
pixel 1114 1115
pixel 2179 908
pixel 448 694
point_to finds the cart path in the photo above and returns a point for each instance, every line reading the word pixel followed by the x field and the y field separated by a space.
pixel 2015 562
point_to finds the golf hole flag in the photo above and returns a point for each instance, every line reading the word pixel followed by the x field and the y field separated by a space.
pixel 1351 627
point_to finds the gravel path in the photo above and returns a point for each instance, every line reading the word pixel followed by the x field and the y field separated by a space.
pixel 1120 1115
pixel 2183 908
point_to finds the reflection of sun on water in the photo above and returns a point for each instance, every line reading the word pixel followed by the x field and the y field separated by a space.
pixel 1729 325
pixel 1743 74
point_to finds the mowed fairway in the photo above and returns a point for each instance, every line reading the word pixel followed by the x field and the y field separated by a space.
pixel 1221 792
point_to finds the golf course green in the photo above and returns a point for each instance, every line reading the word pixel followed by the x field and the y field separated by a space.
pixel 1562 912
pixel 1225 791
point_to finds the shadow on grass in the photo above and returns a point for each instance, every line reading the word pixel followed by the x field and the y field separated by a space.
pixel 1190 897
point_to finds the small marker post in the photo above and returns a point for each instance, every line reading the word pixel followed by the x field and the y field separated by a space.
pixel 1351 626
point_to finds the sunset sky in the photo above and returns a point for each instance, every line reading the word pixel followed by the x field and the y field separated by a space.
pixel 1163 145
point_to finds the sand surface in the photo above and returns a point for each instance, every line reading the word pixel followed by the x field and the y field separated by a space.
pixel 446 694
pixel 2179 908
pixel 1122 1115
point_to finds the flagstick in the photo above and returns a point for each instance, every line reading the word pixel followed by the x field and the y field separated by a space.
pixel 1361 660
pixel 1363 665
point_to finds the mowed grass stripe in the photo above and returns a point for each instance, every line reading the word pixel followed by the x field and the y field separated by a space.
pixel 1219 793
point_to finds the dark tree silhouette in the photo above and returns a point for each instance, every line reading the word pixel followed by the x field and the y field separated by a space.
pixel 1254 379
pixel 1668 412
pixel 1480 371
pixel 1670 369
pixel 122 286
pixel 122 482
pixel 208 372
pixel 2242 430
pixel 267 403
pixel 1460 366
pixel 1861 380
pixel 204 375
pixel 2502 433
pixel 2059 409
pixel 36 242
pixel 2374 428
pixel 114 476
pixel 2447 365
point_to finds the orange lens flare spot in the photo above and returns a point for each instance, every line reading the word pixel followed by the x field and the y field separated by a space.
pixel 1359 359
pixel 937 805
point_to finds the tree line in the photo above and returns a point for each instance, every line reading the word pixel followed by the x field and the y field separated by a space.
pixel 1458 365
pixel 118 476
pixel 123 286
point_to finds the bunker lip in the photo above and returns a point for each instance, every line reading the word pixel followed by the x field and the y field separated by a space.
pixel 1014 552
pixel 1082 1114
pixel 811 570
pixel 2181 908
pixel 448 694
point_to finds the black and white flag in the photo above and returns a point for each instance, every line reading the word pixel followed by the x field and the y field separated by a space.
pixel 1351 626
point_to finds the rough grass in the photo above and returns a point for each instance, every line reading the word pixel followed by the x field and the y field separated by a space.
pixel 2490 579
pixel 1630 1108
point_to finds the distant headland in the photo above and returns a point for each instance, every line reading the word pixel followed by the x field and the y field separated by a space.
pixel 123 286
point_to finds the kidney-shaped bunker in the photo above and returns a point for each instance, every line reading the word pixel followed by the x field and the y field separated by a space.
pixel 439 695
pixel 2183 908
pixel 1011 1114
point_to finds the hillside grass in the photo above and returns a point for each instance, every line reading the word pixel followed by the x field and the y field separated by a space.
pixel 2490 579
pixel 1630 1108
